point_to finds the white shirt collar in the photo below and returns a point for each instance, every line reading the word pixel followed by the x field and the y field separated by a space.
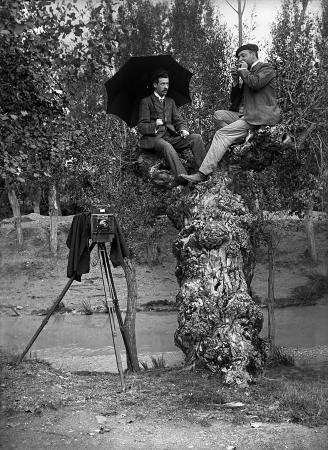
pixel 158 96
pixel 254 64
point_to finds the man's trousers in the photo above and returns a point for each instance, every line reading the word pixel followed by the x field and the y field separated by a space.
pixel 171 145
pixel 232 128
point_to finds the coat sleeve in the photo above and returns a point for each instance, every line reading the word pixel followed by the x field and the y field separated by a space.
pixel 146 125
pixel 259 79
pixel 177 120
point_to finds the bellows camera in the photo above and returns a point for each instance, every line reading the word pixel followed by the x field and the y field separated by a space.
pixel 102 225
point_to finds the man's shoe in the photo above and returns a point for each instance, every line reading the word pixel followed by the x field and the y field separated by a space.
pixel 197 177
pixel 180 181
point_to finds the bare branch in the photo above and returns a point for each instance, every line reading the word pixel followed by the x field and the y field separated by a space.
pixel 242 12
pixel 231 6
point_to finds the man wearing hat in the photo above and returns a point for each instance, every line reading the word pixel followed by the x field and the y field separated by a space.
pixel 163 128
pixel 253 104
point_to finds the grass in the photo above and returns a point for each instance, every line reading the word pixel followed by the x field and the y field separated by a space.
pixel 86 307
pixel 280 357
pixel 157 363
pixel 282 394
pixel 165 304
pixel 305 402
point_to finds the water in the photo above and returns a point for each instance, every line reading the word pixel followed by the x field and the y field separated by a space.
pixel 78 342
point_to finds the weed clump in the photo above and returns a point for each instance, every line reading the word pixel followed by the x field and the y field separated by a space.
pixel 86 307
pixel 306 402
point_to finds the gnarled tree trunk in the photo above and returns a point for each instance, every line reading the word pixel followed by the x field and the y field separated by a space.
pixel 218 322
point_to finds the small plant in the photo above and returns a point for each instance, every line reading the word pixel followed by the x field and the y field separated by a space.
pixel 158 363
pixel 278 356
pixel 144 365
pixel 86 307
pixel 105 305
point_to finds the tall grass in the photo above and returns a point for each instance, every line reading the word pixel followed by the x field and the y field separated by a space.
pixel 305 401
pixel 157 363
pixel 86 307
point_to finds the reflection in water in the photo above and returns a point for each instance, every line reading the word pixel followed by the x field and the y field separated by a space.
pixel 81 342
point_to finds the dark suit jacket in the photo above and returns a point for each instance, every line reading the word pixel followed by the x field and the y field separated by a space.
pixel 257 95
pixel 151 109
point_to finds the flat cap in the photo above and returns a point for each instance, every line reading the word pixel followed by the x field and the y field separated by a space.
pixel 250 47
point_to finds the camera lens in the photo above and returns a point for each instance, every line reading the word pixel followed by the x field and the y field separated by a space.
pixel 103 223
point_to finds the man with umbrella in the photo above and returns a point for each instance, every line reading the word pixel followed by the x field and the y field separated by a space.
pixel 163 128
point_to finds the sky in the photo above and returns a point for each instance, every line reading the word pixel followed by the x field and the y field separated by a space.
pixel 266 11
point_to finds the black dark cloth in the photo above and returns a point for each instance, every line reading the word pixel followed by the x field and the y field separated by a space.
pixel 236 96
pixel 79 249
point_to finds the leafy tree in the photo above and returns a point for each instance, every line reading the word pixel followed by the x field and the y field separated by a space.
pixel 300 91
pixel 200 43
pixel 31 99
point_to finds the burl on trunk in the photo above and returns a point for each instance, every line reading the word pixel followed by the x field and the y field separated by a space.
pixel 218 322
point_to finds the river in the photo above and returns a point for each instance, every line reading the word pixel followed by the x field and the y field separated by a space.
pixel 79 342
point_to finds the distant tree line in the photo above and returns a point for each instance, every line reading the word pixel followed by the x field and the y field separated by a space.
pixel 60 152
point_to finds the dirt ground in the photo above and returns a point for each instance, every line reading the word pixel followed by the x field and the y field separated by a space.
pixel 161 409
pixel 46 408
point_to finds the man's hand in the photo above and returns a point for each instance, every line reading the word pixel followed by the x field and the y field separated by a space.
pixel 159 122
pixel 243 65
pixel 184 133
pixel 235 76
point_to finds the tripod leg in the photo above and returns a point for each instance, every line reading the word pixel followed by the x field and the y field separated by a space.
pixel 116 305
pixel 116 347
pixel 45 320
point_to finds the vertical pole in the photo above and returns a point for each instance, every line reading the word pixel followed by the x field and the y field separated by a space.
pixel 271 318
pixel 240 23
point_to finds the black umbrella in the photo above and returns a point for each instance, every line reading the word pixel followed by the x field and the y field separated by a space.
pixel 133 82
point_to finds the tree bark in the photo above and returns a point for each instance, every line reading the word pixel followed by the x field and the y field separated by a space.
pixel 271 318
pixel 218 322
pixel 17 216
pixel 309 228
pixel 130 318
pixel 53 216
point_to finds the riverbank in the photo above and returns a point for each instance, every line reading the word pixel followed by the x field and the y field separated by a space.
pixel 163 408
pixel 31 280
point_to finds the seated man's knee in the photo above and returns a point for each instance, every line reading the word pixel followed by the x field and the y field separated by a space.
pixel 219 121
pixel 164 147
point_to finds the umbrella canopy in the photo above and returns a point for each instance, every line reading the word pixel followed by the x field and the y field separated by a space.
pixel 133 82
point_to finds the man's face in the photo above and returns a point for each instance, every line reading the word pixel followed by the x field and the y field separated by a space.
pixel 162 86
pixel 247 56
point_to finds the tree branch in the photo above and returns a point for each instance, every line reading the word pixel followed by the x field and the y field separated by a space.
pixel 242 12
pixel 231 6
